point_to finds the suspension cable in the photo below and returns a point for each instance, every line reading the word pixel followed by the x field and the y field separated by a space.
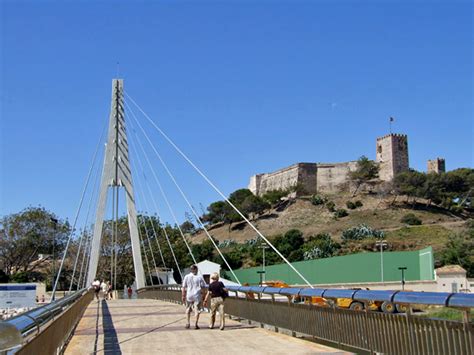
pixel 86 245
pixel 218 190
pixel 144 251
pixel 77 258
pixel 88 257
pixel 146 231
pixel 84 252
pixel 53 295
pixel 165 231
pixel 186 199
pixel 147 208
pixel 159 185
pixel 112 235
pixel 114 281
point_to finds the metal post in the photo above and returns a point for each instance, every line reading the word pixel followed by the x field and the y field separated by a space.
pixel 381 244
pixel 263 246
pixel 402 269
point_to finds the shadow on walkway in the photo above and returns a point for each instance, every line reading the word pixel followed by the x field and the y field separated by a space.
pixel 111 343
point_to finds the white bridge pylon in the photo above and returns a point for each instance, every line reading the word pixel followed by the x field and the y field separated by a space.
pixel 116 173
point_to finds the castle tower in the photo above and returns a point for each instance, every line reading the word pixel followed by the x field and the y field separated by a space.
pixel 436 166
pixel 392 155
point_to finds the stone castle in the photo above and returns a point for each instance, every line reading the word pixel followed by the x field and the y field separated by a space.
pixel 311 178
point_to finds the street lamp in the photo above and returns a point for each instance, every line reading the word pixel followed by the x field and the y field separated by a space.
pixel 402 269
pixel 382 244
pixel 261 273
pixel 263 246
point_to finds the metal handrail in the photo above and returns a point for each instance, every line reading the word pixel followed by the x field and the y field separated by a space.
pixel 456 300
pixel 19 329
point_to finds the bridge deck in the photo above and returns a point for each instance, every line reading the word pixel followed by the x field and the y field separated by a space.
pixel 152 327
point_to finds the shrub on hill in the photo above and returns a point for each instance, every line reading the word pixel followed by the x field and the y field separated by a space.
pixel 411 220
pixel 320 246
pixel 353 205
pixel 350 205
pixel 361 232
pixel 341 212
pixel 331 206
pixel 318 200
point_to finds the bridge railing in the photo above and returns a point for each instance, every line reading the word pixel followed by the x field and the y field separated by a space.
pixel 47 327
pixel 373 332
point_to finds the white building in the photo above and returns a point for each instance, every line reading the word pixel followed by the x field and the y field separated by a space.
pixel 451 278
pixel 206 268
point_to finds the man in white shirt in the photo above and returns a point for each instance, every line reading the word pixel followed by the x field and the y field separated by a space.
pixel 96 287
pixel 104 288
pixel 191 294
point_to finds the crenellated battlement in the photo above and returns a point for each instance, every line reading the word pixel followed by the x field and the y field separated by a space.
pixel 397 135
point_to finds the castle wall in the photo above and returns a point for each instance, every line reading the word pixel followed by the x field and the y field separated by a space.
pixel 254 183
pixel 307 178
pixel 332 177
pixel 301 174
pixel 437 166
pixel 391 156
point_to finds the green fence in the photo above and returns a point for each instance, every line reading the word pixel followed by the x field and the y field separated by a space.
pixel 362 267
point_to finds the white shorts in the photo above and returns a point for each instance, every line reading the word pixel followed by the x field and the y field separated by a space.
pixel 195 306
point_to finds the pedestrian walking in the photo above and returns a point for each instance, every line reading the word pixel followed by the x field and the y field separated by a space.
pixel 217 293
pixel 109 290
pixel 129 292
pixel 104 288
pixel 96 287
pixel 191 295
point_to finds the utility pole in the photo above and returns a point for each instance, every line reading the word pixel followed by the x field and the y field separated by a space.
pixel 402 269
pixel 263 246
pixel 382 244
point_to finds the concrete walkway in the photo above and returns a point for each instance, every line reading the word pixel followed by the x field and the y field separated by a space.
pixel 156 327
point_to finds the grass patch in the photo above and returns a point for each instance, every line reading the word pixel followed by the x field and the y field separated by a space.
pixel 436 236
pixel 446 313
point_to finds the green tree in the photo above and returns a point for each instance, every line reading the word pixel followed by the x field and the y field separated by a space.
pixel 459 250
pixel 290 241
pixel 238 197
pixel 366 170
pixel 28 233
pixel 410 183
pixel 216 212
pixel 187 227
pixel 203 251
pixel 254 204
pixel 274 196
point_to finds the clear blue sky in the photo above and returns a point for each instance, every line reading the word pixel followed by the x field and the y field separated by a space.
pixel 242 86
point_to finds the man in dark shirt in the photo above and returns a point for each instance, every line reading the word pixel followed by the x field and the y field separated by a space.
pixel 217 292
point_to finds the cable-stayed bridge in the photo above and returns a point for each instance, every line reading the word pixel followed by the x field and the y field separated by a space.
pixel 131 171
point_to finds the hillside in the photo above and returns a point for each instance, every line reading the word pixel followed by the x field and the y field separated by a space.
pixel 437 224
